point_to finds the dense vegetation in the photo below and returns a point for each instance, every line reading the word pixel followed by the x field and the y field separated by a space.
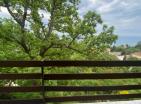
pixel 30 35
pixel 127 49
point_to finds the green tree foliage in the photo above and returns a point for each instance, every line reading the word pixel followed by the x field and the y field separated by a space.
pixel 127 49
pixel 138 46
pixel 30 35
pixel 64 31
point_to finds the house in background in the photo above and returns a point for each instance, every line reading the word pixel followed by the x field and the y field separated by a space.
pixel 119 55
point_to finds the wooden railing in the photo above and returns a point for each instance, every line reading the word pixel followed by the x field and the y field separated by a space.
pixel 93 76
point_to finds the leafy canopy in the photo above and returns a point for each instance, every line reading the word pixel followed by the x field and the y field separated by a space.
pixel 53 29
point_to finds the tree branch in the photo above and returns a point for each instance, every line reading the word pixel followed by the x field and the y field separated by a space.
pixel 11 13
pixel 25 14
pixel 44 50
pixel 21 22
pixel 73 39
pixel 69 47
pixel 50 25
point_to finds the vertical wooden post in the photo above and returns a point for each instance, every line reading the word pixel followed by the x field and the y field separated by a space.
pixel 43 84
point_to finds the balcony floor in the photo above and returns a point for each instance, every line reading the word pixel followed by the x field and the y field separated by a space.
pixel 118 102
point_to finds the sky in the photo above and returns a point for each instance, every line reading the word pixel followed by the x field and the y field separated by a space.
pixel 124 15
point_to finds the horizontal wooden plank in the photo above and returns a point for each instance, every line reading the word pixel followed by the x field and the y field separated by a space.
pixel 20 76
pixel 31 101
pixel 66 63
pixel 68 88
pixel 21 89
pixel 92 98
pixel 92 88
pixel 92 76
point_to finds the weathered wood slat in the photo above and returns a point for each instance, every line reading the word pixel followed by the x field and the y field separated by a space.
pixel 92 88
pixel 69 88
pixel 92 98
pixel 21 89
pixel 92 76
pixel 65 63
pixel 20 63
pixel 71 76
pixel 20 76
pixel 32 101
